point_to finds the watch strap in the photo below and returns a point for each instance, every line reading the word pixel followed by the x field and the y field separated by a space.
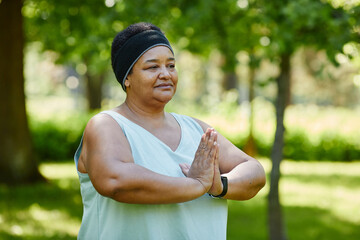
pixel 224 181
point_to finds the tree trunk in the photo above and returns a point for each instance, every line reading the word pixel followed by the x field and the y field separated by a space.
pixel 94 91
pixel 275 218
pixel 17 158
pixel 229 81
pixel 250 146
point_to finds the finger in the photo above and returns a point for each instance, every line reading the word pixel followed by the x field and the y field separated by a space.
pixel 215 136
pixel 217 156
pixel 185 168
pixel 212 152
pixel 186 165
pixel 202 142
pixel 210 140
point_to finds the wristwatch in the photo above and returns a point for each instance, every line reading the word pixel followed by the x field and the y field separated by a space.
pixel 224 181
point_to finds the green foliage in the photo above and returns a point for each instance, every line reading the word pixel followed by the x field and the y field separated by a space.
pixel 57 139
pixel 293 24
pixel 80 33
pixel 312 133
pixel 298 146
pixel 332 146
pixel 53 142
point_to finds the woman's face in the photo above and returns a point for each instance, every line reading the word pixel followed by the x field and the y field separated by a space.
pixel 154 77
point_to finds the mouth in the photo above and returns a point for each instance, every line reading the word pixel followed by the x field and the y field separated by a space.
pixel 164 85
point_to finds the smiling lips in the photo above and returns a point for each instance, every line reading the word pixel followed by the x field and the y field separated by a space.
pixel 164 85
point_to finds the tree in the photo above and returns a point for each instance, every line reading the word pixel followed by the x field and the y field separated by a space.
pixel 230 27
pixel 222 25
pixel 17 157
pixel 81 34
pixel 293 24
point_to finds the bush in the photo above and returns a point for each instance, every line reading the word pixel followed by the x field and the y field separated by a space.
pixel 299 146
pixel 57 139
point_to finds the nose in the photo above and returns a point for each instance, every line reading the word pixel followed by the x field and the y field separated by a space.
pixel 164 73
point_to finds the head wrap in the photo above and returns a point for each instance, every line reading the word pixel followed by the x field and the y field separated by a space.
pixel 133 49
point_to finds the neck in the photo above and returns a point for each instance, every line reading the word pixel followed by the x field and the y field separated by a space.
pixel 143 113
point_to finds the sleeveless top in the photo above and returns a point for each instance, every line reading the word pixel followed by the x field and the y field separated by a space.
pixel 204 218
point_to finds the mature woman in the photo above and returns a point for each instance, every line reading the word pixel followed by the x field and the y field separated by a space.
pixel 148 174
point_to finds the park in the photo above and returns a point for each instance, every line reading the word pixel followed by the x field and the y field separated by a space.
pixel 279 79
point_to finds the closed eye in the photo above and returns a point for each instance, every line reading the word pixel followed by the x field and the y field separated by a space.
pixel 153 67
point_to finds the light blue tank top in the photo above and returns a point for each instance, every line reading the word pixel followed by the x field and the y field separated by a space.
pixel 204 218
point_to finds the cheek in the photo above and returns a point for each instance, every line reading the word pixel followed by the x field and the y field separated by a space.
pixel 147 79
pixel 174 77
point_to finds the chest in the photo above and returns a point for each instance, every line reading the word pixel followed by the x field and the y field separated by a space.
pixel 169 135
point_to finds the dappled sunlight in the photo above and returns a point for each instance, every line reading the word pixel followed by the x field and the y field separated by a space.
pixel 317 120
pixel 59 170
pixel 339 200
pixel 48 107
pixel 316 196
pixel 45 210
pixel 236 60
pixel 334 187
pixel 41 223
pixel 323 168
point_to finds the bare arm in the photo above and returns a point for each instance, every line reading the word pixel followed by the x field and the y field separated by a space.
pixel 106 157
pixel 245 174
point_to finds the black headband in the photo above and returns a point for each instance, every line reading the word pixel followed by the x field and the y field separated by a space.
pixel 133 49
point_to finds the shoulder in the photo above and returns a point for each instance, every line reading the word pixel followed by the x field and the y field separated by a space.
pixel 102 128
pixel 194 122
pixel 99 123
pixel 103 139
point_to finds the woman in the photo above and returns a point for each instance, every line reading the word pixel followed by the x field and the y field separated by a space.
pixel 148 174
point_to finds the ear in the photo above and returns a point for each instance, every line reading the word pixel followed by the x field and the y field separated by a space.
pixel 127 82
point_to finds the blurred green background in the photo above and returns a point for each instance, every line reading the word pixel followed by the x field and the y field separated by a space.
pixel 230 55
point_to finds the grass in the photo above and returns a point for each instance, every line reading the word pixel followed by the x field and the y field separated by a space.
pixel 43 211
pixel 320 201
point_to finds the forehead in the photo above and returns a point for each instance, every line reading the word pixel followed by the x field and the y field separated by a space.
pixel 158 52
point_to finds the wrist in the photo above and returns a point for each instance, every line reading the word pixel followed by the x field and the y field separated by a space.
pixel 224 182
pixel 198 188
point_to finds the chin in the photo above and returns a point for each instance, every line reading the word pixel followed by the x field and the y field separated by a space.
pixel 165 97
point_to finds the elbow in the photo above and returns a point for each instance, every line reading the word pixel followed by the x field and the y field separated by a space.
pixel 113 188
pixel 254 188
pixel 259 181
pixel 255 185
pixel 262 181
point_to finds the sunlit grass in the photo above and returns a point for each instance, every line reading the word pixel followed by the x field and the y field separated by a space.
pixel 43 211
pixel 334 187
pixel 59 171
pixel 326 185
pixel 320 201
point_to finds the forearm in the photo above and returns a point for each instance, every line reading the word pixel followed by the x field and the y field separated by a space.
pixel 136 184
pixel 245 180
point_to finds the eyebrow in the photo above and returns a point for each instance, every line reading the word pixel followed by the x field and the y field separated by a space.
pixel 156 60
